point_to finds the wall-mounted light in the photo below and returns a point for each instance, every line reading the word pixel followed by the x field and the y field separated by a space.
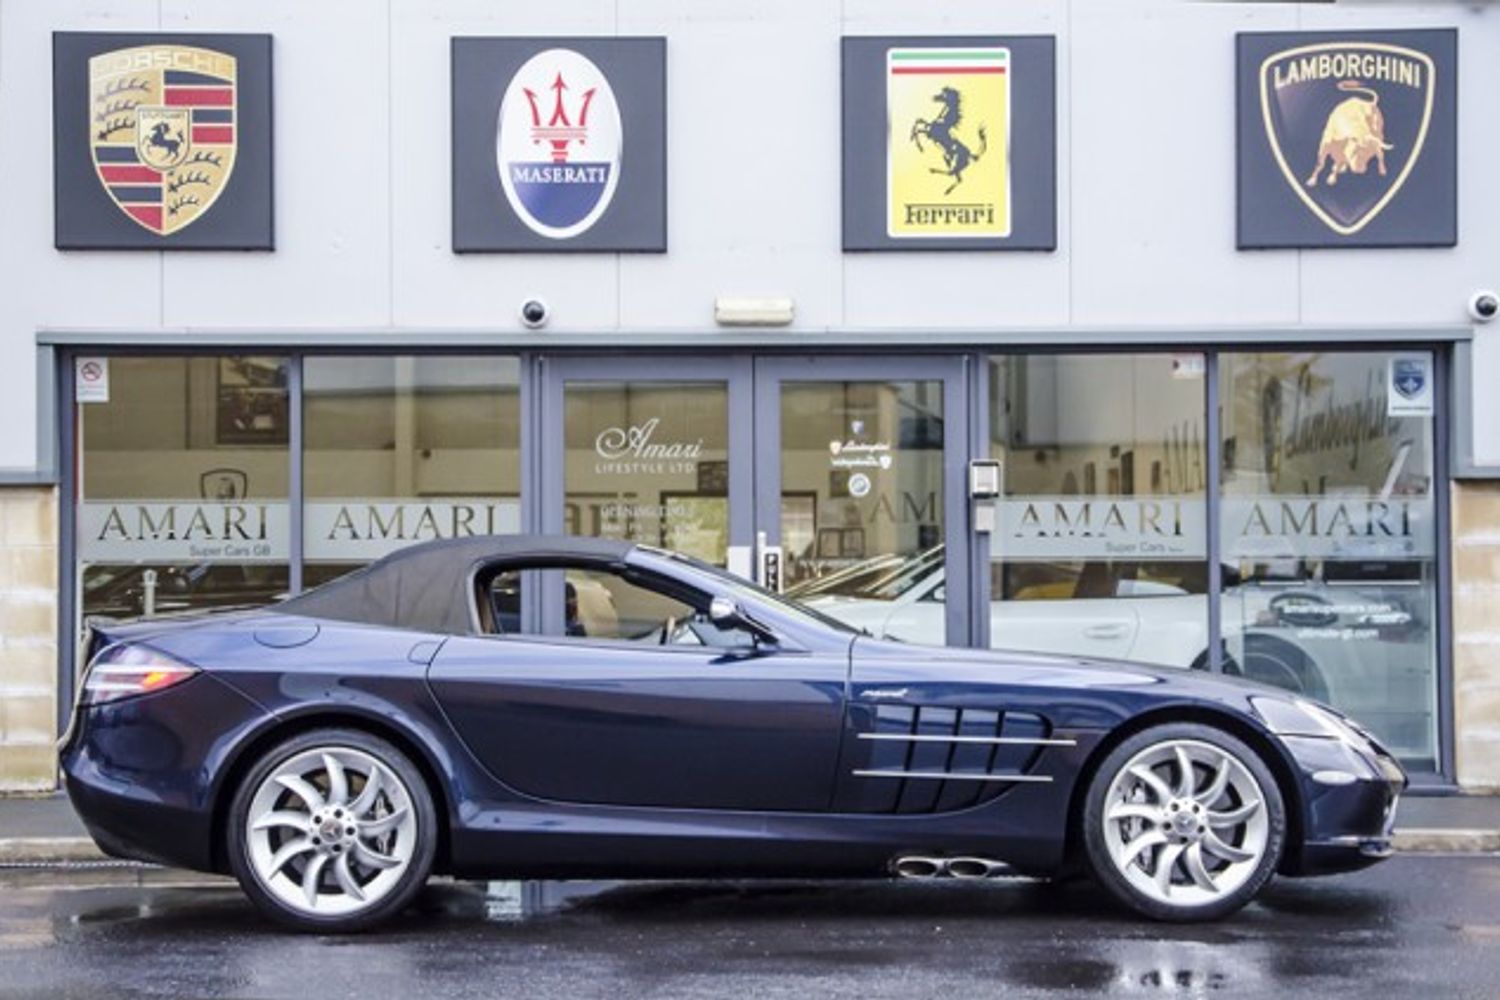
pixel 753 312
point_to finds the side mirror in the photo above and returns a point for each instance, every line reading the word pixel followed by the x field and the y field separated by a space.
pixel 726 614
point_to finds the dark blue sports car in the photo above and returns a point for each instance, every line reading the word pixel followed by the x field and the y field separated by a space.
pixel 565 708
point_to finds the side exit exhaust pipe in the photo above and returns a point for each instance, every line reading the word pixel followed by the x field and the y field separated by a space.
pixel 920 867
pixel 976 868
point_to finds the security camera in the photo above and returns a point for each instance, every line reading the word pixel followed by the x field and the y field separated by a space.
pixel 1484 306
pixel 534 313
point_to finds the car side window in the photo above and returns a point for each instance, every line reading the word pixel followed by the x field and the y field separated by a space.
pixel 602 604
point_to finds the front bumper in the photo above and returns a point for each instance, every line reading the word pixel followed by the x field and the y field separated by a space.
pixel 1350 797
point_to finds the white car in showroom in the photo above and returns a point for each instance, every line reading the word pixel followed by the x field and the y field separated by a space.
pixel 1296 633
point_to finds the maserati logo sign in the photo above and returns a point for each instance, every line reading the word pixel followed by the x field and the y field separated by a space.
pixel 949 142
pixel 1346 122
pixel 164 135
pixel 1347 138
pixel 558 143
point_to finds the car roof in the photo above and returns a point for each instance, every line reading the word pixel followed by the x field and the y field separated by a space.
pixel 427 587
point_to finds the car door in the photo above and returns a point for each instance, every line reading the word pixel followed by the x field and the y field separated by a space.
pixel 631 706
pixel 1103 627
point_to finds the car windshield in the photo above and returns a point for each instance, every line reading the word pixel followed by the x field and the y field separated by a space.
pixel 738 587
pixel 883 578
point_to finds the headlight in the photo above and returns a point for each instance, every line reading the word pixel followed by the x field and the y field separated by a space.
pixel 125 670
pixel 1295 717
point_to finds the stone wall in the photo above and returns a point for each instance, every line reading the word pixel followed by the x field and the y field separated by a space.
pixel 1476 633
pixel 28 638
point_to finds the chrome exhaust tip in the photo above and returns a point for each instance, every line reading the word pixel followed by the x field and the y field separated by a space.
pixel 975 868
pixel 920 867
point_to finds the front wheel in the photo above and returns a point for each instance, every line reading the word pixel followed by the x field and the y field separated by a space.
pixel 1183 822
pixel 332 831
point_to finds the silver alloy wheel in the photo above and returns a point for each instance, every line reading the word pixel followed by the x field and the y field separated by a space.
pixel 330 831
pixel 1185 822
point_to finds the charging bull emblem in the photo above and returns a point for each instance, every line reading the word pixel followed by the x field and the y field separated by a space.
pixel 1346 122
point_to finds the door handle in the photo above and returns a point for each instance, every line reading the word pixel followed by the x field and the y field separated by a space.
pixel 1112 630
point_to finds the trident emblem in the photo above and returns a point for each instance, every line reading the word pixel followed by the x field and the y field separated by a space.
pixel 559 131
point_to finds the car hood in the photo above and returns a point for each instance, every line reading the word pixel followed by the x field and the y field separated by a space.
pixel 879 662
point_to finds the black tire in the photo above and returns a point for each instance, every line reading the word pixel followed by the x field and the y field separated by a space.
pixel 405 886
pixel 1096 833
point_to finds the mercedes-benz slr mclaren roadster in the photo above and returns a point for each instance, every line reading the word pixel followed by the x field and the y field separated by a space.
pixel 526 707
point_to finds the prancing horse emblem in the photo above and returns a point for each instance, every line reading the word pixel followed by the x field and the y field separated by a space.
pixel 956 154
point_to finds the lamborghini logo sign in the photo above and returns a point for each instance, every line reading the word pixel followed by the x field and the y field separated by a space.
pixel 1346 122
pixel 163 131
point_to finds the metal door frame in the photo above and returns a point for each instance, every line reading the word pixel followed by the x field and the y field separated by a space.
pixel 555 371
pixel 771 372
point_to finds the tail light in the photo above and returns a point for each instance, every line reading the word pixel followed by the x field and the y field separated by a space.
pixel 124 670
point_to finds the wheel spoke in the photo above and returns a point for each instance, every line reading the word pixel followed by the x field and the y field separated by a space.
pixel 346 878
pixel 366 799
pixel 1186 779
pixel 282 817
pixel 1216 787
pixel 1213 845
pixel 1134 810
pixel 384 824
pixel 1164 865
pixel 1132 850
pixel 1151 780
pixel 338 782
pixel 374 858
pixel 1234 816
pixel 302 789
pixel 310 878
pixel 287 852
pixel 1192 860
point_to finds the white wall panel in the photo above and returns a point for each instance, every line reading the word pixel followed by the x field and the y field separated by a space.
pixel 433 286
pixel 753 161
pixel 958 289
pixel 332 146
pixel 1145 183
pixel 40 286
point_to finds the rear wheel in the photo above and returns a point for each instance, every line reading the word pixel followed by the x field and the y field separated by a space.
pixel 332 831
pixel 1183 822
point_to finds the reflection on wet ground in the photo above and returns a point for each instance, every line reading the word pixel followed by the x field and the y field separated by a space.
pixel 1426 927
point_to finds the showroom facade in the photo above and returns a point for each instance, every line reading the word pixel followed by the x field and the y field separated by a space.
pixel 1204 455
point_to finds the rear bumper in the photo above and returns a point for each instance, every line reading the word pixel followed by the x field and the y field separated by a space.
pixel 142 773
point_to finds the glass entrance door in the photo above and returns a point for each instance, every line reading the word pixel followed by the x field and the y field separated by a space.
pixel 650 450
pixel 860 498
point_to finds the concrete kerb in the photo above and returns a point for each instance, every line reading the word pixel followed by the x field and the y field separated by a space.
pixel 44 851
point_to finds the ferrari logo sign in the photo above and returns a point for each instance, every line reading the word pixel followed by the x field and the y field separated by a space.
pixel 948 150
pixel 949 142
pixel 163 131
pixel 1346 122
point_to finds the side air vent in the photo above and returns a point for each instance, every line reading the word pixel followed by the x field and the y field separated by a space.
pixel 924 759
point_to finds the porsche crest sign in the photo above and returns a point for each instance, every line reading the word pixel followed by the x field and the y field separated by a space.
pixel 175 131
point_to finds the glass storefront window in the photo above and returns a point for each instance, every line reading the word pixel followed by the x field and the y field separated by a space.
pixel 1328 533
pixel 406 449
pixel 649 462
pixel 183 486
pixel 1100 547
pixel 862 503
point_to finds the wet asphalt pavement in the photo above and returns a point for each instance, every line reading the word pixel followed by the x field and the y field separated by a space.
pixel 1414 927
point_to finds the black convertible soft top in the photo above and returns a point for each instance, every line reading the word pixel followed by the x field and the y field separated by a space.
pixel 428 587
